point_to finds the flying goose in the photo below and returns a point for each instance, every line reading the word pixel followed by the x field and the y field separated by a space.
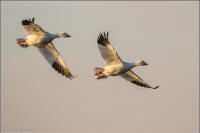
pixel 115 66
pixel 41 39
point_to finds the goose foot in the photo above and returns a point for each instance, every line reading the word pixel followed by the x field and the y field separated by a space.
pixel 24 46
pixel 99 72
pixel 101 77
pixel 22 43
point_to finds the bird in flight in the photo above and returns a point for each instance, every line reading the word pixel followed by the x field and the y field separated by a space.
pixel 115 66
pixel 41 39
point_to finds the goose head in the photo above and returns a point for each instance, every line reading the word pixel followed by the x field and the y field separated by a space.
pixel 140 63
pixel 63 35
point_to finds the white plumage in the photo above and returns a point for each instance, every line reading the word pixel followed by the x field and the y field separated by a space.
pixel 115 66
pixel 41 39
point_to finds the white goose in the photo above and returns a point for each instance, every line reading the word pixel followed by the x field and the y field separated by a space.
pixel 41 39
pixel 115 66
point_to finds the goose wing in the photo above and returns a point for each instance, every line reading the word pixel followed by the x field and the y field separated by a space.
pixel 108 53
pixel 133 78
pixel 31 28
pixel 53 57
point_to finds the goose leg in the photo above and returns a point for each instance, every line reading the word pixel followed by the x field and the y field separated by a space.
pixel 22 42
pixel 101 77
pixel 99 72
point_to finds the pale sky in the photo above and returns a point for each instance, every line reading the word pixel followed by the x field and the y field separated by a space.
pixel 165 34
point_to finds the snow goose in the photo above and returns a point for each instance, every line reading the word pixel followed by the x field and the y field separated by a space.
pixel 115 66
pixel 41 39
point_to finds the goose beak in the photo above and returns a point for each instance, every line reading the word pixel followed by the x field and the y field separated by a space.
pixel 68 35
pixel 145 63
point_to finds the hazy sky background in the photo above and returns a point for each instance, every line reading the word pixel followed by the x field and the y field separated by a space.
pixel 165 34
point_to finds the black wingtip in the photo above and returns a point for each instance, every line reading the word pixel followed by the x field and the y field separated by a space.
pixel 59 69
pixel 71 76
pixel 33 20
pixel 28 21
pixel 103 39
pixel 156 87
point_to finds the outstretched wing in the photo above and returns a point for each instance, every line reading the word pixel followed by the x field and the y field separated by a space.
pixel 53 57
pixel 31 28
pixel 133 78
pixel 108 53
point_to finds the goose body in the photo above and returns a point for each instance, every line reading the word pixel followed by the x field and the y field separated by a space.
pixel 115 66
pixel 116 69
pixel 41 39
